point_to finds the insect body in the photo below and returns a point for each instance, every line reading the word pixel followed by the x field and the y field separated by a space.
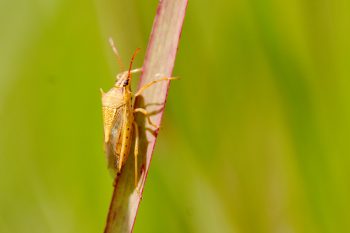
pixel 118 118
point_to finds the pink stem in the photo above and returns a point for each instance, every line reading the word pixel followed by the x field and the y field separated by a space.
pixel 159 62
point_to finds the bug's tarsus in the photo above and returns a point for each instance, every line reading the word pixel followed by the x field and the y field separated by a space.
pixel 154 132
pixel 138 70
pixel 119 59
pixel 134 71
pixel 147 115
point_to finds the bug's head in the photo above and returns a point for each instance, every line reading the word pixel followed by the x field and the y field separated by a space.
pixel 124 79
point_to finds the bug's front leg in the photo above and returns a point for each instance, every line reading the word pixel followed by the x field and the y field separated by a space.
pixel 134 71
pixel 144 112
pixel 152 83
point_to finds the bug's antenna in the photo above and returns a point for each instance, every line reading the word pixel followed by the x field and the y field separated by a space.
pixel 119 60
pixel 132 60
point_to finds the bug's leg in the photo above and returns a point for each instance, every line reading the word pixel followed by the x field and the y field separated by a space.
pixel 144 112
pixel 136 151
pixel 134 71
pixel 122 152
pixel 138 70
pixel 152 83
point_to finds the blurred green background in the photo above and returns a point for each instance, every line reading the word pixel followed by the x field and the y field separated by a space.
pixel 255 136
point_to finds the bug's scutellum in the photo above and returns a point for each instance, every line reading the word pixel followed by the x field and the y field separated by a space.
pixel 118 117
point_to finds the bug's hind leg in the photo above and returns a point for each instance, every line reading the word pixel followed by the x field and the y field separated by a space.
pixel 136 153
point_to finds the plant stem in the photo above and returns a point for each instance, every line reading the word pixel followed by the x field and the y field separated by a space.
pixel 159 62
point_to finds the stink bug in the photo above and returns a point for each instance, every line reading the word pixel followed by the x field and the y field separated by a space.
pixel 118 117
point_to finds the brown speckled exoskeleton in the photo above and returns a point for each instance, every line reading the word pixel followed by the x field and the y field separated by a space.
pixel 118 118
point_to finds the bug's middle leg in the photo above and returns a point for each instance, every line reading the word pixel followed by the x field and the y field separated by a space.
pixel 134 71
pixel 144 112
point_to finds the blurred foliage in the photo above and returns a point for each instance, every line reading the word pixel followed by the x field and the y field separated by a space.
pixel 255 134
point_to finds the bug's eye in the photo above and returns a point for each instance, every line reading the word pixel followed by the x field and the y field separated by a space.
pixel 126 82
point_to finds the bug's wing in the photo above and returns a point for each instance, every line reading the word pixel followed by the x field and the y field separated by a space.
pixel 113 105
pixel 113 145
